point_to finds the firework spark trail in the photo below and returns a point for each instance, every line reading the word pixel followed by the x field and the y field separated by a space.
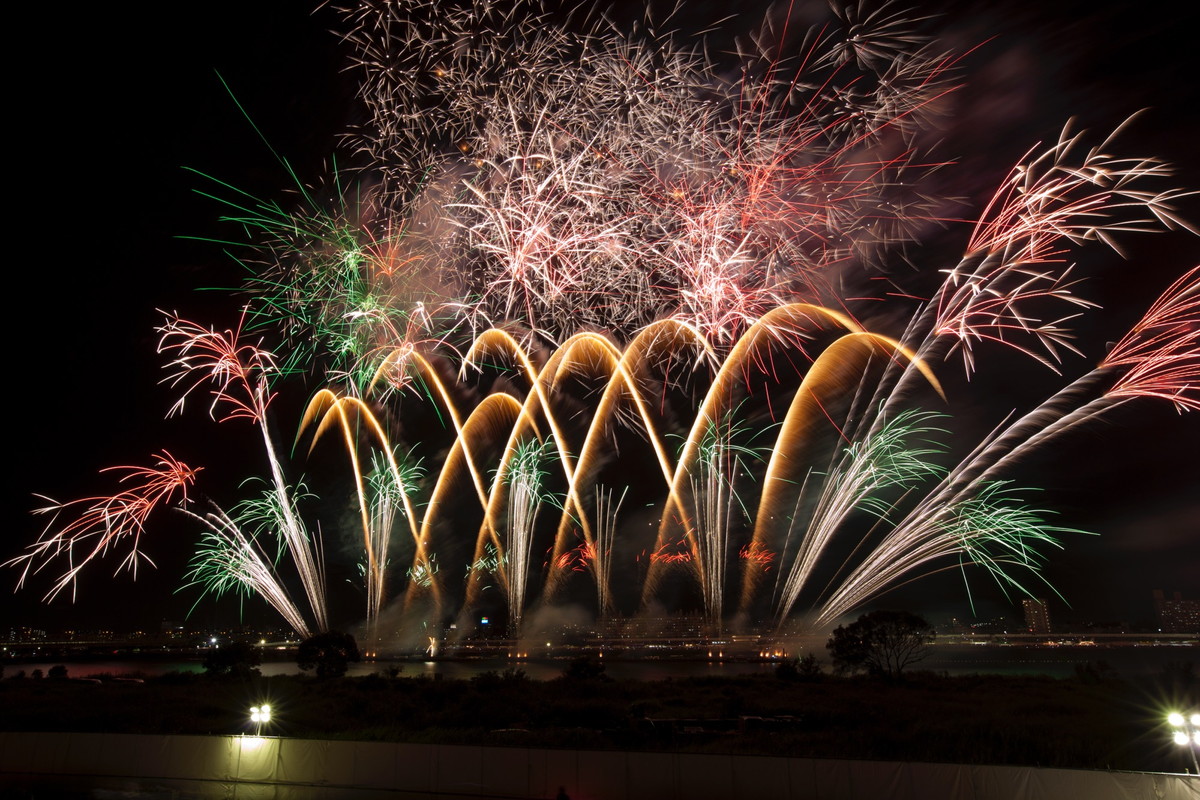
pixel 788 322
pixel 924 535
pixel 497 414
pixel 350 285
pixel 715 504
pixel 1162 359
pixel 236 373
pixel 920 538
pixel 620 369
pixel 227 559
pixel 491 548
pixel 239 376
pixel 523 479
pixel 717 204
pixel 841 367
pixel 623 369
pixel 564 361
pixel 103 522
pixel 1047 199
pixel 1050 201
pixel 388 496
pixel 687 236
pixel 691 196
pixel 884 461
pixel 989 529
pixel 542 384
pixel 601 552
pixel 377 510
pixel 1162 352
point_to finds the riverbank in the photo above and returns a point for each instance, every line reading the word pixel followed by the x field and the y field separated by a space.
pixel 1090 721
pixel 1125 660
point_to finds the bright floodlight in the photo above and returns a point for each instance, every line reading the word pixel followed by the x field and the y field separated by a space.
pixel 1186 733
pixel 260 714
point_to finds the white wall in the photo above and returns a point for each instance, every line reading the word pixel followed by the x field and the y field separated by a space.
pixel 299 769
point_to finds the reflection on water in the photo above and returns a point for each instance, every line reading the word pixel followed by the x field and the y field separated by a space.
pixel 1059 662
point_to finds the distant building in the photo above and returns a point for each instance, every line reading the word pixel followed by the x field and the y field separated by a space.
pixel 677 629
pixel 1176 615
pixel 1037 615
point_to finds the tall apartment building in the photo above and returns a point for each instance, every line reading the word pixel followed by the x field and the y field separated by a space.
pixel 1037 615
pixel 1176 615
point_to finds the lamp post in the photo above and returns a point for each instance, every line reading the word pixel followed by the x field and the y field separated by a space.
pixel 1186 733
pixel 260 715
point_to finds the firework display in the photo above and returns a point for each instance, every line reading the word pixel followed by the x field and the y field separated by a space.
pixel 604 322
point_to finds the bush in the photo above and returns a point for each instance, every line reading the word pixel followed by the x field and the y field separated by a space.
pixel 802 668
pixel 240 659
pixel 1093 672
pixel 492 679
pixel 585 668
pixel 328 653
pixel 177 678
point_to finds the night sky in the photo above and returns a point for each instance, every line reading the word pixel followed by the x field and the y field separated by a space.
pixel 134 98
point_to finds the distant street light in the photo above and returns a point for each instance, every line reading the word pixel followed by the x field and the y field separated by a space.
pixel 1186 733
pixel 260 715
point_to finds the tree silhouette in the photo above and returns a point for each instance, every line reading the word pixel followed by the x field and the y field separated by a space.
pixel 329 653
pixel 240 659
pixel 881 642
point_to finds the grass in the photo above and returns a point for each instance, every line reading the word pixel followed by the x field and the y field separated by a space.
pixel 1091 721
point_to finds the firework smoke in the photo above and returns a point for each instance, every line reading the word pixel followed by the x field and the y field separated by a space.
pixel 573 246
